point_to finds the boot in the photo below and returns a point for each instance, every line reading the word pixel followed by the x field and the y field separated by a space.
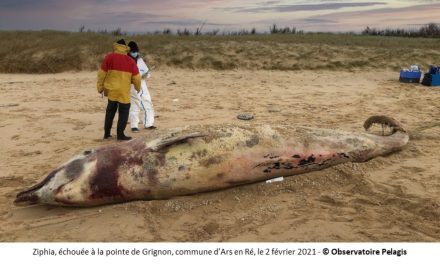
pixel 124 110
pixel 124 137
pixel 110 112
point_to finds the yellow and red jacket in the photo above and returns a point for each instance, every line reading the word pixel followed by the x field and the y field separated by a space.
pixel 116 74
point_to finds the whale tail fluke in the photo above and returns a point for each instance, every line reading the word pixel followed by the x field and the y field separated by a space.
pixel 384 121
pixel 386 143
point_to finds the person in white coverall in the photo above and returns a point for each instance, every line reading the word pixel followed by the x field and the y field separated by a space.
pixel 140 102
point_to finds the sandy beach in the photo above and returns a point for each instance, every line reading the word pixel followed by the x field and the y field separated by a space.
pixel 46 119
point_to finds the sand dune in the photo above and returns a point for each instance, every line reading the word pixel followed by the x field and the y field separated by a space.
pixel 46 119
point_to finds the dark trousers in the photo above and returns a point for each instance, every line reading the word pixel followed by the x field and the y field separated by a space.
pixel 124 110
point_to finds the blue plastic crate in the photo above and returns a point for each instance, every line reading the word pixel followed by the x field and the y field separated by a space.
pixel 410 76
pixel 434 69
pixel 431 79
pixel 435 80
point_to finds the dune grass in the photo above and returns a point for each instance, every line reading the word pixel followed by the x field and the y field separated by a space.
pixel 55 51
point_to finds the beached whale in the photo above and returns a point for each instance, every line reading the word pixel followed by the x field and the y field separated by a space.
pixel 205 158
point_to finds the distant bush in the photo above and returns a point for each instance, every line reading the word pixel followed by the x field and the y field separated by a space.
pixel 56 51
pixel 184 32
pixel 431 30
pixel 167 31
pixel 285 30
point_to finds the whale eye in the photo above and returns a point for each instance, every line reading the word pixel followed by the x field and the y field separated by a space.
pixel 87 152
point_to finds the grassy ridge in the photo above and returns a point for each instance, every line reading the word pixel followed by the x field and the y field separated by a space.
pixel 53 51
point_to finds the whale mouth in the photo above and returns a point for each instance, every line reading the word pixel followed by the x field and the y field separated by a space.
pixel 29 196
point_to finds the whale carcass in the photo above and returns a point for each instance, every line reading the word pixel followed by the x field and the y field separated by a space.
pixel 204 158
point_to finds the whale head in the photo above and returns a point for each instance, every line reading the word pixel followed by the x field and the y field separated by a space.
pixel 50 188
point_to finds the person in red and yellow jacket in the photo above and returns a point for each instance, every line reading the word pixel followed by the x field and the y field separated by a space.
pixel 118 71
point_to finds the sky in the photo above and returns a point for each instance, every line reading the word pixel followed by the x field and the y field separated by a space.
pixel 225 15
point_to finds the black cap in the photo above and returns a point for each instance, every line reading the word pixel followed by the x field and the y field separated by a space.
pixel 133 46
pixel 121 41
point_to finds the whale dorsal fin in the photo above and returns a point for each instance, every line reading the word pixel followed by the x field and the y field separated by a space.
pixel 167 141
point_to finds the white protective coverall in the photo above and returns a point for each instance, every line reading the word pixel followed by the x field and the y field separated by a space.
pixel 141 101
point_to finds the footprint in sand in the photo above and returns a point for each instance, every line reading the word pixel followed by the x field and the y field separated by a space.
pixel 12 181
pixel 414 169
pixel 22 153
pixel 329 200
pixel 211 228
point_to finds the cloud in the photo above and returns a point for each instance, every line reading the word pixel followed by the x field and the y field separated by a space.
pixel 142 15
pixel 268 3
pixel 429 10
pixel 185 22
pixel 23 5
pixel 17 4
pixel 422 1
pixel 104 4
pixel 129 16
pixel 312 20
pixel 405 17
pixel 302 7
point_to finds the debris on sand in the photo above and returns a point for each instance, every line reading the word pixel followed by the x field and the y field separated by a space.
pixel 245 116
pixel 273 109
pixel 9 105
